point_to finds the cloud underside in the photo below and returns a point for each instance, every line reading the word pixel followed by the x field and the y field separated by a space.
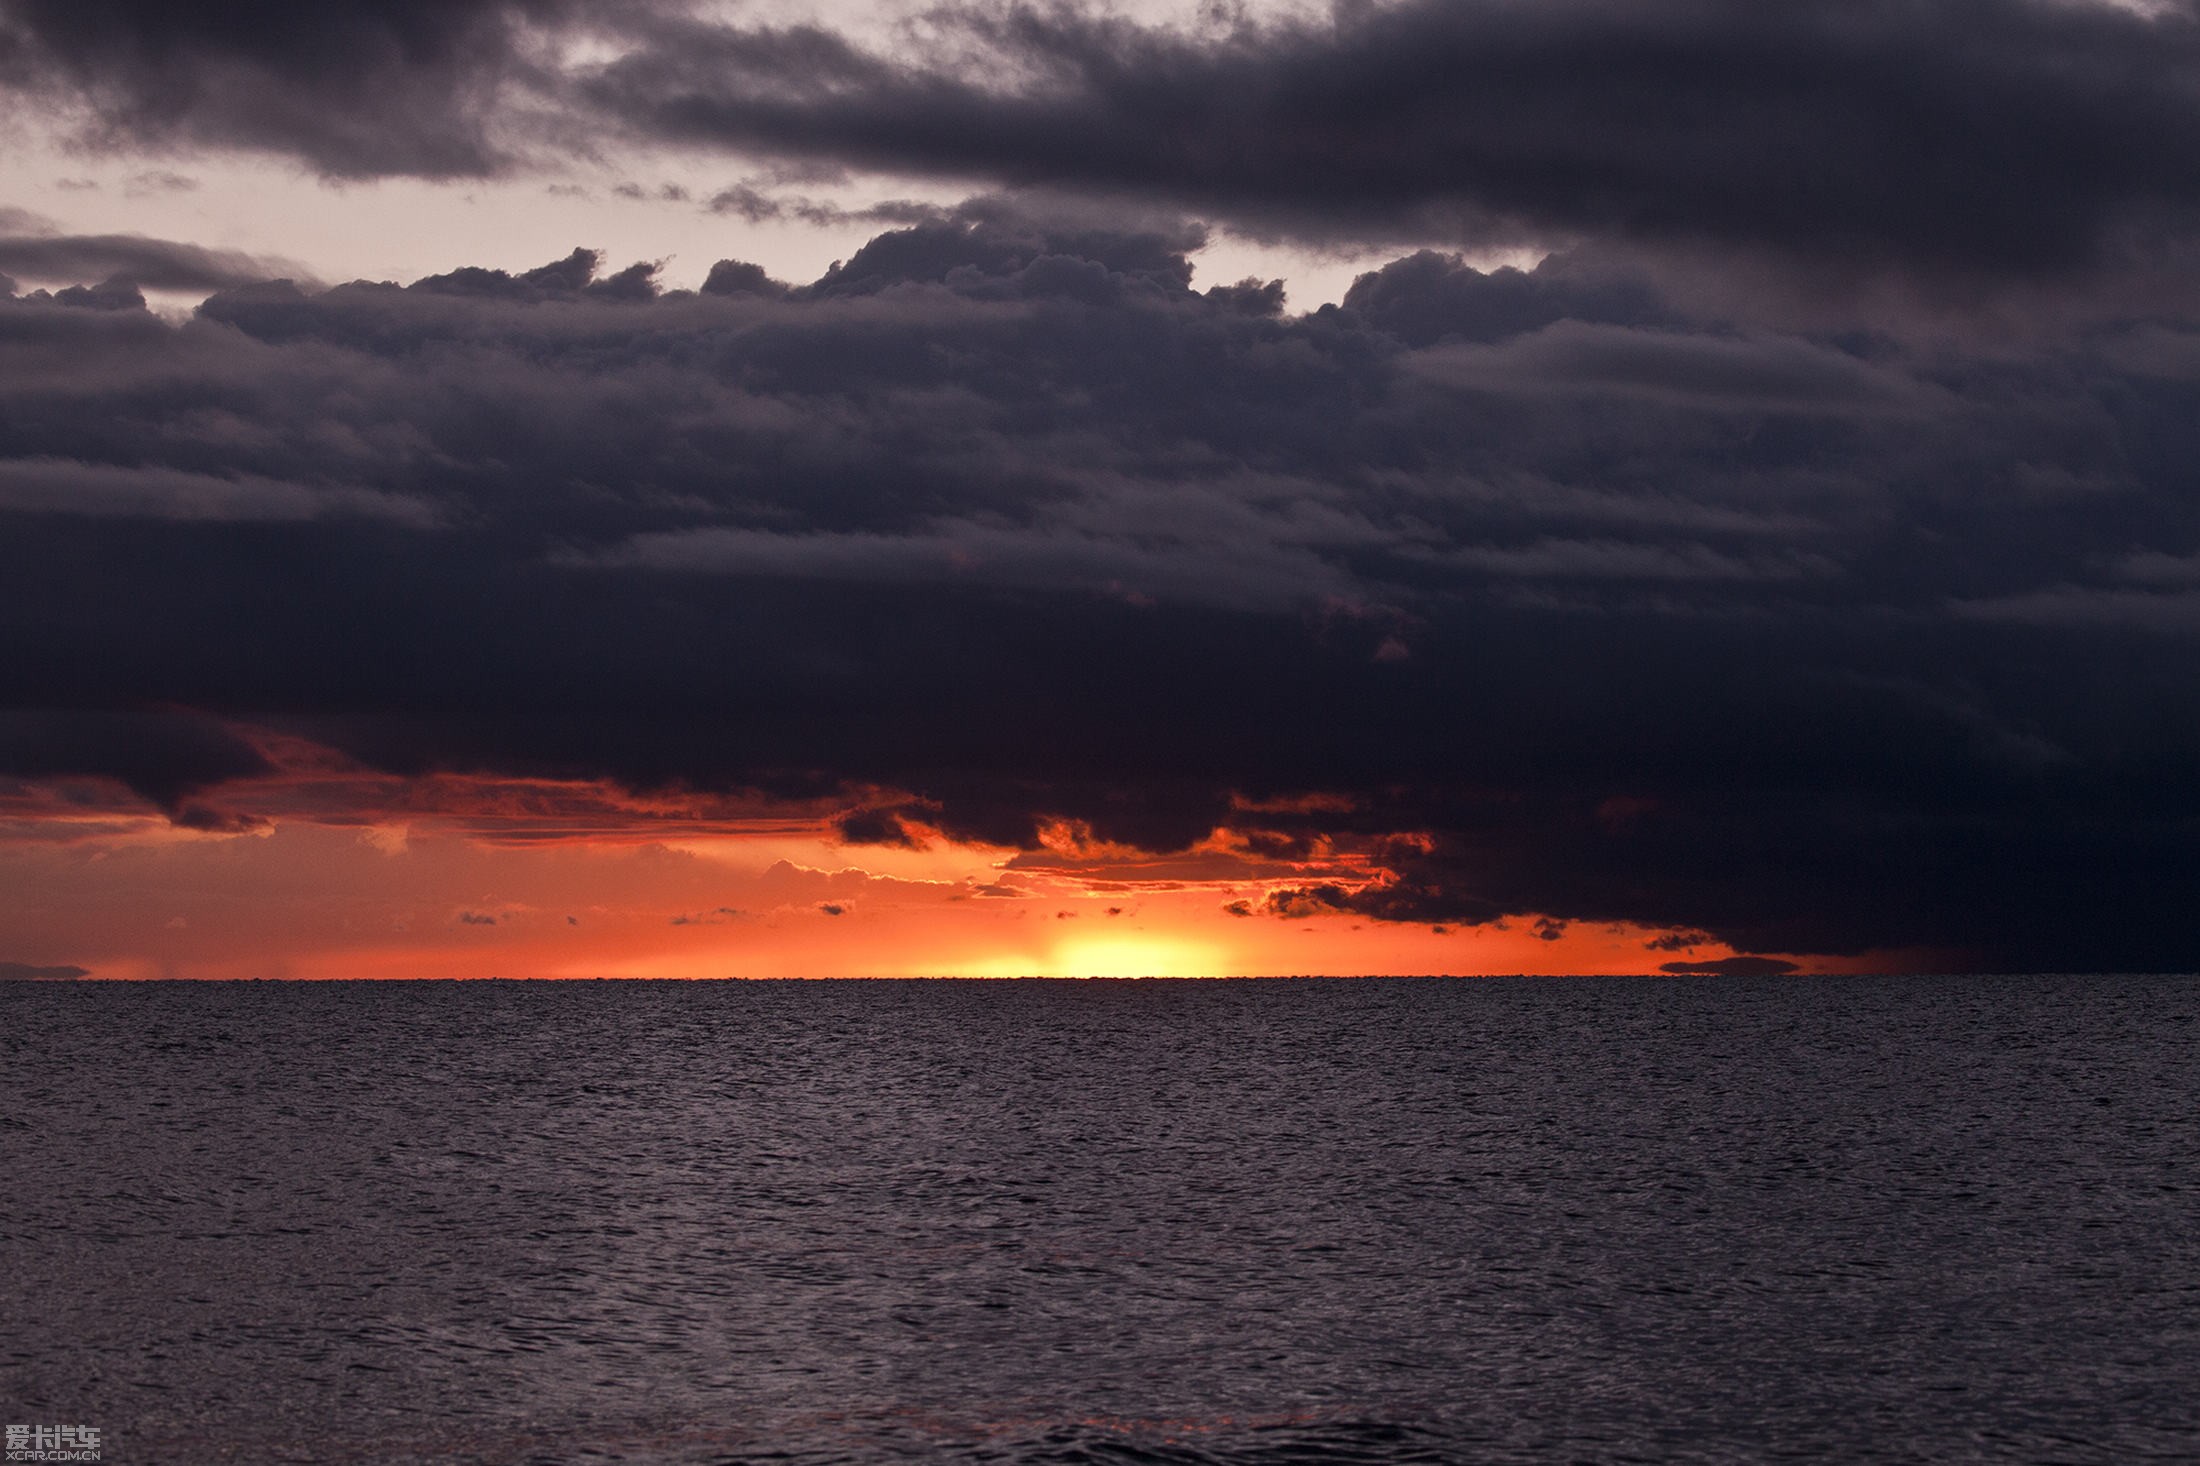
pixel 1512 592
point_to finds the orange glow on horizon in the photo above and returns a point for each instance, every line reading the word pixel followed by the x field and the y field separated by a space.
pixel 322 903
pixel 324 871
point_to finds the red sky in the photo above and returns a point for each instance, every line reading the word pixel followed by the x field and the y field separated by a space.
pixel 328 871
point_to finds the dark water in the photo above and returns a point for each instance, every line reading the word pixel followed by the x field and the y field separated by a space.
pixel 1480 1221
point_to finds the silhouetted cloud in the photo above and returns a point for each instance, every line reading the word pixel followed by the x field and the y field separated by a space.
pixel 165 756
pixel 714 917
pixel 1678 942
pixel 1731 967
pixel 876 827
pixel 32 972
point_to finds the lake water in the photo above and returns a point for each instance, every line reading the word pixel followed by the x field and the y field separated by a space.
pixel 1521 1220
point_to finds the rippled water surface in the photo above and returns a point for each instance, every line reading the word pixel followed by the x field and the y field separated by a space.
pixel 1476 1221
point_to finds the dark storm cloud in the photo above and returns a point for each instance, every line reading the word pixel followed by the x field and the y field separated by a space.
pixel 164 756
pixel 1995 135
pixel 1976 138
pixel 1759 637
pixel 356 88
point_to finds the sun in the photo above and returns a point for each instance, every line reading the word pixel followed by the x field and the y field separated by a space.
pixel 1138 956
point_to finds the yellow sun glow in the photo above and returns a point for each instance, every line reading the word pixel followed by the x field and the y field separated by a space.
pixel 1139 956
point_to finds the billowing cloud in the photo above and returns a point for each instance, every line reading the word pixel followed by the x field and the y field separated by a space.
pixel 1479 595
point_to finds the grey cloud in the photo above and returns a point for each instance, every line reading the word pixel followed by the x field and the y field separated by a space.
pixel 739 277
pixel 664 193
pixel 158 181
pixel 2151 567
pixel 34 252
pixel 62 486
pixel 1001 521
pixel 1675 368
pixel 1429 297
pixel 355 88
pixel 1243 573
pixel 746 203
pixel 2173 613
pixel 1620 560
pixel 1968 145
pixel 1994 136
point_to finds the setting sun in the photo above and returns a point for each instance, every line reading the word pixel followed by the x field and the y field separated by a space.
pixel 1138 956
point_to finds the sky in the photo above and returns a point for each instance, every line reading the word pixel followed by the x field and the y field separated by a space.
pixel 584 488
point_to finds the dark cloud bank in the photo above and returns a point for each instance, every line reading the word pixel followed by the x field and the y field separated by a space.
pixel 1625 588
pixel 1814 643
pixel 2016 136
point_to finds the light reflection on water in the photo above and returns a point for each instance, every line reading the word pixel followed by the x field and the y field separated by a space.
pixel 1843 1219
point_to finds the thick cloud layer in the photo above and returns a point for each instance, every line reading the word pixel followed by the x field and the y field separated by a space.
pixel 2004 135
pixel 1568 599
pixel 1959 141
